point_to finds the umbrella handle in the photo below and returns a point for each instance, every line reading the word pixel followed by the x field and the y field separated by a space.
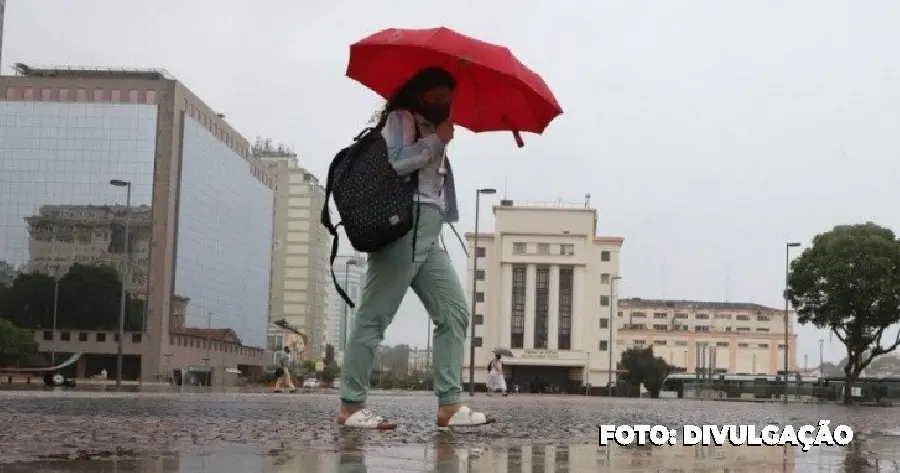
pixel 518 138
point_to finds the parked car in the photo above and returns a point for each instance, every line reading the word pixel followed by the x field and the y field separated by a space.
pixel 311 383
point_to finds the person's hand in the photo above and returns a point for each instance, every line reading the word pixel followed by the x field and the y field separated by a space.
pixel 444 131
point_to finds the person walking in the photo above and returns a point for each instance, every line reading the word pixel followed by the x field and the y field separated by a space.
pixel 285 360
pixel 496 380
pixel 417 129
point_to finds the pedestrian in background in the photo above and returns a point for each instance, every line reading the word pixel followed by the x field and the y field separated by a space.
pixel 285 360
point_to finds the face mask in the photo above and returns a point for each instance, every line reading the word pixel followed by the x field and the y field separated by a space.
pixel 435 113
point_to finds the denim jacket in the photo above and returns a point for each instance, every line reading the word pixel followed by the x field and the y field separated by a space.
pixel 427 155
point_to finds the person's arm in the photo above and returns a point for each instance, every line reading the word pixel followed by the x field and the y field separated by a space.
pixel 405 155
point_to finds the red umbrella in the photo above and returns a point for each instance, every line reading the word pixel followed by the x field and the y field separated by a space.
pixel 494 91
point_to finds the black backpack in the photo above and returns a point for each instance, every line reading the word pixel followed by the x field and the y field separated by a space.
pixel 375 203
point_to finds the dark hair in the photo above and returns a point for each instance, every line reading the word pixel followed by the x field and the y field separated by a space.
pixel 408 95
pixel 497 355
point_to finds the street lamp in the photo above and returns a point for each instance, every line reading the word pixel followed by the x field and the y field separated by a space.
pixel 55 311
pixel 124 275
pixel 478 194
pixel 609 326
pixel 343 327
pixel 787 273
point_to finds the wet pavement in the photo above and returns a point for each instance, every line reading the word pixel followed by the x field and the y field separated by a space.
pixel 59 431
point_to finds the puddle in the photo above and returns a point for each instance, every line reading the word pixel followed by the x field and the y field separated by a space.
pixel 864 455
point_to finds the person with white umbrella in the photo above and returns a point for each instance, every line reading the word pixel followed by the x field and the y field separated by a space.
pixel 496 380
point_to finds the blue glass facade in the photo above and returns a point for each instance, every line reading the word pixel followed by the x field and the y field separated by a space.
pixel 224 238
pixel 57 206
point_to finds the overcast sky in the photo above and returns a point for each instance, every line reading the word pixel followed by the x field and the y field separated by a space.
pixel 709 133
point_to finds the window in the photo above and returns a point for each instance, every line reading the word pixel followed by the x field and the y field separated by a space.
pixel 723 316
pixel 721 344
pixel 81 95
pixel 542 307
pixel 567 250
pixel 763 318
pixel 479 275
pixel 701 328
pixel 604 301
pixel 743 329
pixel 101 337
pixel 660 315
pixel 604 278
pixel 48 335
pixel 566 292
pixel 781 346
pixel 45 95
pixel 133 97
pixel 10 93
pixel 763 345
pixel 98 95
pixel 603 345
pixel 638 315
pixel 135 338
pixel 519 282
pixel 477 342
pixel 763 330
pixel 702 316
pixel 28 94
pixel 65 336
pixel 640 342
pixel 116 337
pixel 115 96
pixel 660 327
pixel 680 315
pixel 659 342
pixel 604 323
pixel 681 343
pixel 480 252
pixel 151 97
pixel 63 95
pixel 543 248
pixel 743 345
pixel 82 337
pixel 479 297
pixel 604 256
pixel 478 319
pixel 743 317
pixel 519 248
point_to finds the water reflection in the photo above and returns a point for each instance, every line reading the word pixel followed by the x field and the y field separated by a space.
pixel 352 455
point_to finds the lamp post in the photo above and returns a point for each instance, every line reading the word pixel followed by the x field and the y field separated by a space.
pixel 821 369
pixel 55 311
pixel 124 276
pixel 787 273
pixel 343 328
pixel 609 326
pixel 478 194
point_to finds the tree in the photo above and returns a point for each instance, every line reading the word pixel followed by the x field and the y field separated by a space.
pixel 329 354
pixel 642 367
pixel 332 371
pixel 848 282
pixel 89 298
pixel 16 344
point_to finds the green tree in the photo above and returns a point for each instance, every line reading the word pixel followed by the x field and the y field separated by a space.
pixel 89 298
pixel 329 354
pixel 16 344
pixel 332 371
pixel 848 282
pixel 641 366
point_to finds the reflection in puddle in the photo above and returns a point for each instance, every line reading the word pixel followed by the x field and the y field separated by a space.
pixel 864 455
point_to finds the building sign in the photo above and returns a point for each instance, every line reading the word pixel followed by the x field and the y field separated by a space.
pixel 320 366
pixel 540 354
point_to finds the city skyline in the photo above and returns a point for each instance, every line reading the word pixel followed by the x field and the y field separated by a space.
pixel 707 156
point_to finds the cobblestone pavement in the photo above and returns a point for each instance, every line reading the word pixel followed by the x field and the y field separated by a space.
pixel 77 424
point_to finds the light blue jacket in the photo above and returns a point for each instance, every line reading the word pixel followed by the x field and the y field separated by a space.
pixel 427 155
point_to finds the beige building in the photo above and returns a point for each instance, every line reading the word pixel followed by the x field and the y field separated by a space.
pixel 200 220
pixel 748 339
pixel 543 281
pixel 301 245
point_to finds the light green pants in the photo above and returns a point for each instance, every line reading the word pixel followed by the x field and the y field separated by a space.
pixel 431 275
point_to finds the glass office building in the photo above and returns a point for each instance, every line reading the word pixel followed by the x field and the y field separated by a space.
pixel 57 206
pixel 224 238
pixel 199 225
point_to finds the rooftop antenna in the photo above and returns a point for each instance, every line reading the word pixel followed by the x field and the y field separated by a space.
pixel 587 201
pixel 505 186
pixel 727 285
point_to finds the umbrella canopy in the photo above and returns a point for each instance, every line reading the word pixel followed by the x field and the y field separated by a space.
pixel 494 90
pixel 504 352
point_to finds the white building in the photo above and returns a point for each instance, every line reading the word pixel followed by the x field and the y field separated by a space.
pixel 300 248
pixel 350 271
pixel 543 285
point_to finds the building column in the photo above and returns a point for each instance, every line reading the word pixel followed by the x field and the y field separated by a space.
pixel 553 325
pixel 579 308
pixel 505 315
pixel 530 292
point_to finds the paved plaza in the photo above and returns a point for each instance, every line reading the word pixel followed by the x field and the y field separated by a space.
pixel 56 431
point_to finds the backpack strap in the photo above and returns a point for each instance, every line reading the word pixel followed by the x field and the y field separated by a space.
pixel 332 229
